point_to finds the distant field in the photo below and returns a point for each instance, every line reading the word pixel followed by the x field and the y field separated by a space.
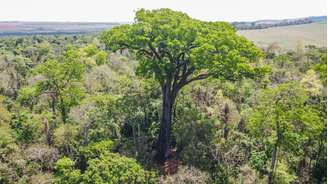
pixel 287 36
pixel 33 28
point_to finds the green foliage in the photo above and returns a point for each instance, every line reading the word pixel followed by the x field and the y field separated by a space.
pixel 106 118
pixel 4 113
pixel 64 96
pixel 322 68
pixel 64 164
pixel 312 83
pixel 102 167
pixel 66 174
pixel 210 46
pixel 27 96
pixel 95 150
pixel 91 50
pixel 63 81
pixel 7 136
pixel 259 160
pixel 283 175
pixel 44 48
pixel 113 169
pixel 286 104
pixel 27 127
pixel 101 57
pixel 65 138
pixel 284 120
pixel 196 142
pixel 283 60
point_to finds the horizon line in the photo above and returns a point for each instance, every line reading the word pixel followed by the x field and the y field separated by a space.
pixel 120 22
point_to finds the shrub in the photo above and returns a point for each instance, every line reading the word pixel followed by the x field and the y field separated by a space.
pixel 107 169
pixel 258 160
pixel 7 136
pixel 27 96
pixel 97 149
pixel 66 174
pixel 113 169
pixel 90 50
pixel 101 57
pixel 27 127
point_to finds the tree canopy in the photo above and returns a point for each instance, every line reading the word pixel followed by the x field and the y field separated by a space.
pixel 170 45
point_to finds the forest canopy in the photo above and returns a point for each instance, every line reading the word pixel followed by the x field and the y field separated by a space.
pixel 166 99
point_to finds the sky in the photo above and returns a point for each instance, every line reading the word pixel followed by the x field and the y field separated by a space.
pixel 124 10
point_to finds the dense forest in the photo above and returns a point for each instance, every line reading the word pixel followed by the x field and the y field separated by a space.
pixel 167 99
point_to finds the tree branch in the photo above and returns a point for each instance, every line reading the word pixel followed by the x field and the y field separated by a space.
pixel 146 52
pixel 199 77
pixel 153 50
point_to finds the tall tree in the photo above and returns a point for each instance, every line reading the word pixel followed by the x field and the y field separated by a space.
pixel 177 50
pixel 62 82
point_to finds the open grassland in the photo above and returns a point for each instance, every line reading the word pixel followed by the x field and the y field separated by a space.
pixel 288 36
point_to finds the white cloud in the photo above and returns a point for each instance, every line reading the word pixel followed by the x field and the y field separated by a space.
pixel 123 10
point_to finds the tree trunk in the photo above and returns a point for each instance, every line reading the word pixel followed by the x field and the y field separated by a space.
pixel 225 115
pixel 273 164
pixel 47 131
pixel 64 114
pixel 53 105
pixel 165 126
pixel 63 110
pixel 275 151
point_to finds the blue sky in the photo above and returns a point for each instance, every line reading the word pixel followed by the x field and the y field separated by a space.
pixel 123 10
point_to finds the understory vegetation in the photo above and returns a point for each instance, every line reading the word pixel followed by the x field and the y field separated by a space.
pixel 84 109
